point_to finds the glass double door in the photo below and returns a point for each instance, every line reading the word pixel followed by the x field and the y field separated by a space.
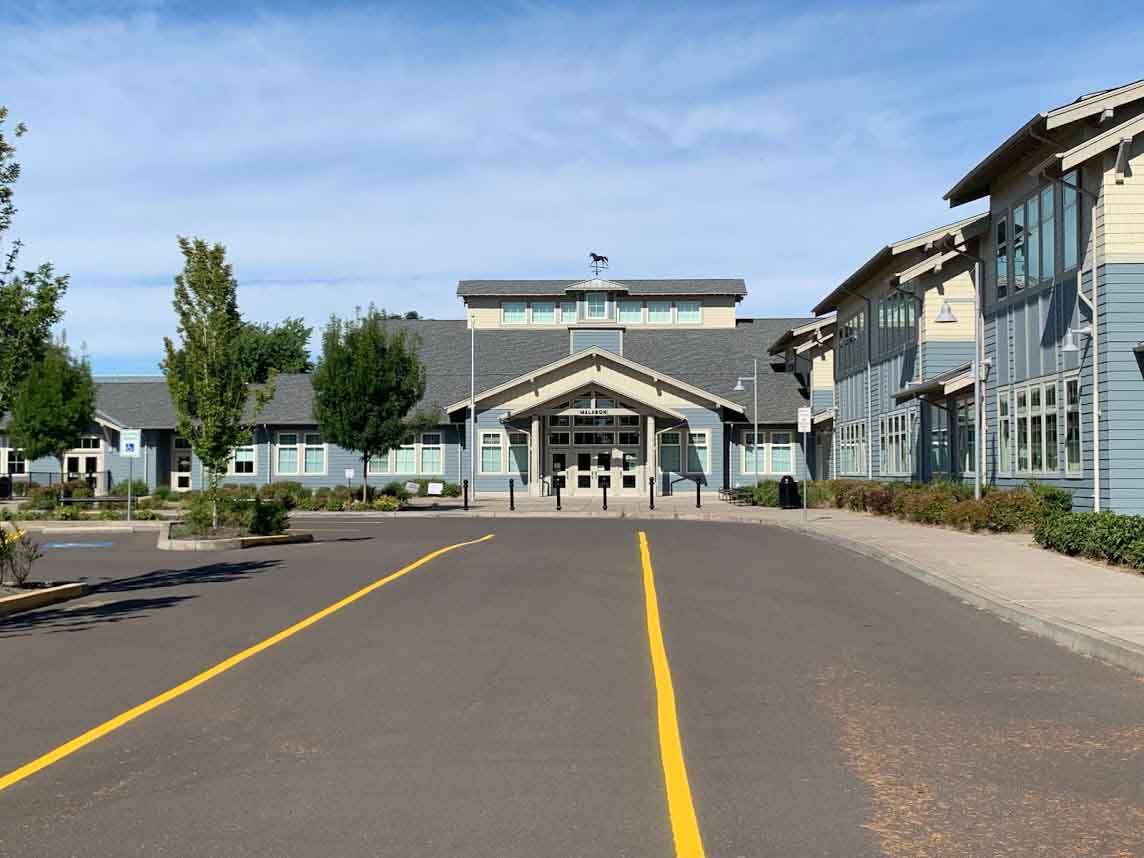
pixel 588 471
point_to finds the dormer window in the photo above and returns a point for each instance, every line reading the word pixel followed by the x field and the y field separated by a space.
pixel 659 312
pixel 687 312
pixel 513 312
pixel 567 312
pixel 597 305
pixel 543 313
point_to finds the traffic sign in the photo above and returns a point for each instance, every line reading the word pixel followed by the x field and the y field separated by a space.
pixel 804 420
pixel 131 443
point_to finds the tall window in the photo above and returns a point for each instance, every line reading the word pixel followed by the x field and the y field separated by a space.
pixel 1038 428
pixel 1072 426
pixel 243 460
pixel 1033 240
pixel 378 464
pixel 659 312
pixel 782 453
pixel 753 457
pixel 631 312
pixel 1022 431
pixel 1070 217
pixel 431 457
pixel 897 321
pixel 896 444
pixel 939 440
pixel 313 454
pixel 1048 234
pixel 513 312
pixel 1052 455
pixel 966 436
pixel 1004 433
pixel 852 448
pixel 852 342
pixel 518 452
pixel 687 312
pixel 567 312
pixel 697 452
pixel 491 453
pixel 669 457
pixel 1002 270
pixel 287 452
pixel 543 313
pixel 1018 245
pixel 597 304
pixel 405 459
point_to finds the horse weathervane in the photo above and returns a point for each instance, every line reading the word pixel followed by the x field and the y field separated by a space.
pixel 599 263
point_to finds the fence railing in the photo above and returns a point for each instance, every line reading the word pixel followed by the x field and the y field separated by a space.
pixel 17 486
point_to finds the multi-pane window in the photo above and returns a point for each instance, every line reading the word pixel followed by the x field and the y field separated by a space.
pixel 687 312
pixel 939 439
pixel 1022 431
pixel 1072 426
pixel 753 459
pixel 567 312
pixel 431 455
pixel 1018 246
pixel 1037 431
pixel 378 464
pixel 559 420
pixel 697 452
pixel 1004 434
pixel 896 444
pixel 518 452
pixel 17 464
pixel 299 453
pixel 594 439
pixel 659 312
pixel 852 343
pixel 543 313
pixel 1002 268
pixel 1050 420
pixel 897 321
pixel 631 312
pixel 597 305
pixel 782 453
pixel 513 312
pixel 405 459
pixel 966 436
pixel 774 453
pixel 852 448
pixel 1033 240
pixel 243 460
pixel 313 453
pixel 492 454
pixel 559 439
pixel 287 453
pixel 669 452
pixel 1070 217
pixel 1048 235
pixel 629 439
pixel 89 442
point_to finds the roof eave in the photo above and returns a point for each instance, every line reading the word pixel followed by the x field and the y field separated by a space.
pixel 975 184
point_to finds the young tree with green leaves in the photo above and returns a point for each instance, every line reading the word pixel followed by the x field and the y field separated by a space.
pixel 29 301
pixel 266 349
pixel 54 406
pixel 205 374
pixel 366 386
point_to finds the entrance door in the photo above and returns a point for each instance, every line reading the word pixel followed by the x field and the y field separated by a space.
pixel 602 474
pixel 559 470
pixel 180 464
pixel 584 481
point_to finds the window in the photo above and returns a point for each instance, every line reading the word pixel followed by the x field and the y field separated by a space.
pixel 1033 241
pixel 1072 426
pixel 629 439
pixel 543 313
pixel 895 444
pixel 1022 432
pixel 628 420
pixel 752 459
pixel 378 464
pixel 89 442
pixel 242 462
pixel 631 312
pixel 1048 235
pixel 1004 434
pixel 1070 217
pixel 594 439
pixel 1036 436
pixel 567 312
pixel 851 349
pixel 287 452
pixel 1038 428
pixel 491 453
pixel 604 402
pixel 518 452
pixel 1052 455
pixel 897 321
pixel 697 452
pixel 558 419
pixel 512 312
pixel 782 450
pixel 939 440
pixel 313 454
pixel 1018 248
pixel 598 420
pixel 431 458
pixel 558 439
pixel 597 304
pixel 405 459
pixel 687 312
pixel 852 448
pixel 966 436
pixel 17 464
pixel 669 458
pixel 1002 270
pixel 659 312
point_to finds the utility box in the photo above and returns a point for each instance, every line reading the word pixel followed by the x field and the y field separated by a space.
pixel 788 493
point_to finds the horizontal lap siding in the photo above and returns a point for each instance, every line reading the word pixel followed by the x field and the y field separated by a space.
pixel 735 454
pixel 697 418
pixel 607 340
pixel 940 357
pixel 1122 384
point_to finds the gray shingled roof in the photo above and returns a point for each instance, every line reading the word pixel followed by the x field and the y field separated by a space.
pixel 136 403
pixel 675 286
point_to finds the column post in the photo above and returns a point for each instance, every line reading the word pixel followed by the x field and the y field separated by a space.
pixel 534 458
pixel 651 458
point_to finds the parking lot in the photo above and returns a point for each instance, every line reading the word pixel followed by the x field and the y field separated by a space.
pixel 503 699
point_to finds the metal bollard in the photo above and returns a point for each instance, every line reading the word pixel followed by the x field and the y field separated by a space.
pixel 511 494
pixel 558 495
pixel 651 492
pixel 605 495
pixel 466 485
pixel 698 497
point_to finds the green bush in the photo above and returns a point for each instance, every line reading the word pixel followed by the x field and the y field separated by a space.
pixel 451 490
pixel 247 491
pixel 969 514
pixel 163 493
pixel 765 493
pixel 268 517
pixel 77 488
pixel 386 503
pixel 289 492
pixel 929 505
pixel 879 501
pixel 69 512
pixel 335 504
pixel 1011 511
pixel 396 489
pixel 820 494
pixel 1106 536
pixel 1052 499
pixel 139 488
pixel 40 498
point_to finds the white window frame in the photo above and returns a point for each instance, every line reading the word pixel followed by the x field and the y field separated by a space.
pixel 1073 470
pixel 510 446
pixel 397 469
pixel 639 312
pixel 698 320
pixel 439 446
pixel 705 434
pixel 677 445
pixel 746 441
pixel 306 445
pixel 1033 415
pixel 1005 433
pixel 230 469
pixel 295 446
pixel 505 320
pixel 566 317
pixel 772 445
pixel 652 306
pixel 895 443
pixel 500 446
pixel 589 297
pixel 532 311
pixel 853 448
pixel 966 442
pixel 386 461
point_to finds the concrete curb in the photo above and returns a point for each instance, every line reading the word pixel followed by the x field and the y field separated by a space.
pixel 1081 639
pixel 40 598
pixel 56 528
pixel 166 543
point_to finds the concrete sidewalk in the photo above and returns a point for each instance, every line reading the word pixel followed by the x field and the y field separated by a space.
pixel 1082 605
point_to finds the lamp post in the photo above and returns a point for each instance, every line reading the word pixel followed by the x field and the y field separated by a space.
pixel 754 379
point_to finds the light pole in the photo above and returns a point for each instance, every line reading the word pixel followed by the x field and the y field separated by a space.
pixel 754 379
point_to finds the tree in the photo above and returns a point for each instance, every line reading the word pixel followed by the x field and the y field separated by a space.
pixel 408 314
pixel 29 301
pixel 205 374
pixel 366 385
pixel 265 349
pixel 54 406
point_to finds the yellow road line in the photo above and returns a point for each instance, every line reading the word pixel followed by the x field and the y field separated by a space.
pixel 118 721
pixel 680 809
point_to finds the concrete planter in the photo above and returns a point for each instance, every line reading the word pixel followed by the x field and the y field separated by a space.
pixel 39 598
pixel 167 543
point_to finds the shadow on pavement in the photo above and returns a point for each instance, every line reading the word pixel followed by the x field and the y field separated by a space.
pixel 214 573
pixel 79 618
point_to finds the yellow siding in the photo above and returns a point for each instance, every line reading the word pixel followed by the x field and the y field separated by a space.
pixel 1123 222
pixel 822 371
pixel 717 312
pixel 958 290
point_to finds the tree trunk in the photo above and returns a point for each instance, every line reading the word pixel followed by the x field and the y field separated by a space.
pixel 364 477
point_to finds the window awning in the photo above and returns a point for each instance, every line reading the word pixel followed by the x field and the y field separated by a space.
pixel 946 384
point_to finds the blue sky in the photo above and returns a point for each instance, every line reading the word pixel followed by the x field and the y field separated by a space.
pixel 379 153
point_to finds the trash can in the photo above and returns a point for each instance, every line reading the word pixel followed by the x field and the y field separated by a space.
pixel 788 493
pixel 5 488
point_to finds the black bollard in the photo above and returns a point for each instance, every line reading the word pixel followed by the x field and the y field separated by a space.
pixel 511 495
pixel 558 482
pixel 651 492
pixel 466 484
pixel 698 497
pixel 605 495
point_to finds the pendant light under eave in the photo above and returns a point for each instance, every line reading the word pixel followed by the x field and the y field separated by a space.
pixel 945 314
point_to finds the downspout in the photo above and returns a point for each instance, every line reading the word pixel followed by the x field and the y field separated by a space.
pixel 869 382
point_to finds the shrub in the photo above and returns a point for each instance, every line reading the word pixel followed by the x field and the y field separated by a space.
pixel 1107 536
pixel 163 493
pixel 334 504
pixel 820 494
pixel 451 490
pixel 40 498
pixel 1010 511
pixel 109 515
pixel 968 514
pixel 69 512
pixel 75 489
pixel 144 515
pixel 238 490
pixel 765 493
pixel 289 492
pixel 139 488
pixel 386 503
pixel 879 501
pixel 268 517
pixel 1052 499
pixel 396 489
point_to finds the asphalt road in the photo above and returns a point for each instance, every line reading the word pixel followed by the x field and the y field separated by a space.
pixel 499 700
